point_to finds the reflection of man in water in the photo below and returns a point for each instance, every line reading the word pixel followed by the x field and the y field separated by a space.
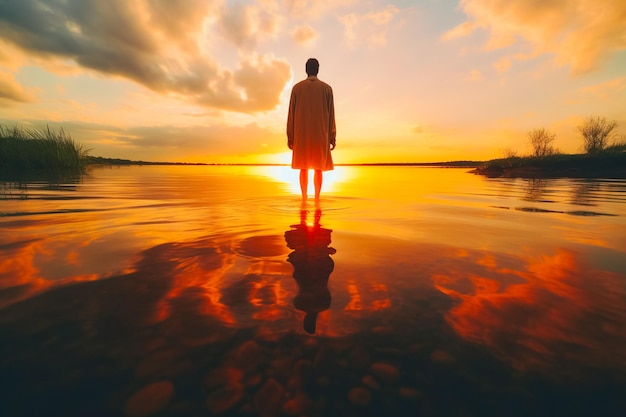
pixel 311 128
pixel 312 266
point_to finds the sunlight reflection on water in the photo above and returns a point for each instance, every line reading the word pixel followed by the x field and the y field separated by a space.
pixel 420 265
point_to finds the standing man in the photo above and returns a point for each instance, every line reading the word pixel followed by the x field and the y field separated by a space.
pixel 311 128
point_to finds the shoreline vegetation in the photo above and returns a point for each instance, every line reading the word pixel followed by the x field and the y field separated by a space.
pixel 604 157
pixel 29 153
pixel 608 164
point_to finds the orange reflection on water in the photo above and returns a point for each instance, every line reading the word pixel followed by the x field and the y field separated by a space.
pixel 375 294
pixel 394 228
pixel 197 278
pixel 383 302
pixel 403 184
pixel 20 274
pixel 18 268
pixel 355 297
pixel 562 311
pixel 268 295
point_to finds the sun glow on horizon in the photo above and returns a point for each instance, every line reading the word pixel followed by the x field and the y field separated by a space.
pixel 282 158
pixel 291 178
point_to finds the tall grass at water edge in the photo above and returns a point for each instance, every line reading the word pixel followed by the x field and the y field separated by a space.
pixel 26 151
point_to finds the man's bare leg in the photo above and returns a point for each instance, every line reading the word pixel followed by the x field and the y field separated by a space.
pixel 304 183
pixel 317 181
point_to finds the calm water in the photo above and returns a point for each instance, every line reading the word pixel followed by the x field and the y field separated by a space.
pixel 194 291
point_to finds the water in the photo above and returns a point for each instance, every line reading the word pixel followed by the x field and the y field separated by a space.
pixel 192 291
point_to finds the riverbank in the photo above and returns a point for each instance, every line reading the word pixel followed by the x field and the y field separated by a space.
pixel 603 165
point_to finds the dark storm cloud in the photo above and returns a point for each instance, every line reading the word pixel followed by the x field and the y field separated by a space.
pixel 151 42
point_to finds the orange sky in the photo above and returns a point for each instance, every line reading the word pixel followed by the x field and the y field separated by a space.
pixel 209 81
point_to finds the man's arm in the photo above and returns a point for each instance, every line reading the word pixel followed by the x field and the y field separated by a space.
pixel 332 129
pixel 291 120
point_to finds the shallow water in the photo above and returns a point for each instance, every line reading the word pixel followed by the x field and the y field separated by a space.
pixel 184 290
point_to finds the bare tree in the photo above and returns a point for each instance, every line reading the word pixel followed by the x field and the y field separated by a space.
pixel 541 142
pixel 597 132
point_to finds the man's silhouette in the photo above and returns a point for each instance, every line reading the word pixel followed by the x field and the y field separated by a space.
pixel 311 128
pixel 312 266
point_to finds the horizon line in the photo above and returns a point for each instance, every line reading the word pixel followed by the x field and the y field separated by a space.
pixel 119 161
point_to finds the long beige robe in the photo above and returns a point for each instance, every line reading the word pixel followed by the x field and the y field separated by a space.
pixel 311 124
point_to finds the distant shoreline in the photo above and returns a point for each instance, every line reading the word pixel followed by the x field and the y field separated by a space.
pixel 611 165
pixel 95 160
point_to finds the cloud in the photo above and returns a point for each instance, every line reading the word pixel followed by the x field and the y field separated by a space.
pixel 502 65
pixel 246 25
pixel 174 18
pixel 11 91
pixel 211 143
pixel 607 88
pixel 579 33
pixel 304 35
pixel 214 141
pixel 155 43
pixel 464 29
pixel 371 27
pixel 254 86
pixel 202 137
pixel 260 78
pixel 312 9
pixel 475 75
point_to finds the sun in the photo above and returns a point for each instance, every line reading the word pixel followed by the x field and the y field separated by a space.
pixel 291 179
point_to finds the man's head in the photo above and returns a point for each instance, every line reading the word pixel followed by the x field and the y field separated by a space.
pixel 312 66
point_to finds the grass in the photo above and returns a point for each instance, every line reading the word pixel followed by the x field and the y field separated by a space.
pixel 24 152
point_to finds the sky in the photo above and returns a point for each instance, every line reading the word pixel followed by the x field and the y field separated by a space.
pixel 413 81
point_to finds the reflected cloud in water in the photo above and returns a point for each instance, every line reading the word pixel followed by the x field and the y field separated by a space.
pixel 556 313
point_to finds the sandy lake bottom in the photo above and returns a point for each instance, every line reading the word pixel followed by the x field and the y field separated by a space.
pixel 210 290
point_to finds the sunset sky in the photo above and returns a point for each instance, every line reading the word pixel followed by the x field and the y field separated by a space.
pixel 414 81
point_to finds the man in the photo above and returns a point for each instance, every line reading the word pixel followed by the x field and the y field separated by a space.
pixel 311 128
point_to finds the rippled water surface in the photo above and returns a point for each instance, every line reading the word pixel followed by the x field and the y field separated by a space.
pixel 186 290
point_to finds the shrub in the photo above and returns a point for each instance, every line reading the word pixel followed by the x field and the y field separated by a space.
pixel 24 150
pixel 597 132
